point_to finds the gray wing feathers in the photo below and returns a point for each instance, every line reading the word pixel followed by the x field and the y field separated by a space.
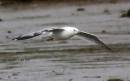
pixel 94 38
pixel 27 36
pixel 35 34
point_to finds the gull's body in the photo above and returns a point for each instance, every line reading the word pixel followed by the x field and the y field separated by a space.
pixel 62 33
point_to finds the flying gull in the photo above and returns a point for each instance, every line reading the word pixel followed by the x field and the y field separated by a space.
pixel 62 33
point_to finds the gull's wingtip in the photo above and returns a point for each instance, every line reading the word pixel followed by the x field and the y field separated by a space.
pixel 108 48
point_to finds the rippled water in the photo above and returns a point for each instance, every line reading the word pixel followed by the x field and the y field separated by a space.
pixel 74 60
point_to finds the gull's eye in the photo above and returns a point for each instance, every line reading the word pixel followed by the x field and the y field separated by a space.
pixel 74 30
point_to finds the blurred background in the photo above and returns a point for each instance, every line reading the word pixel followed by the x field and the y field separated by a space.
pixel 75 59
pixel 77 2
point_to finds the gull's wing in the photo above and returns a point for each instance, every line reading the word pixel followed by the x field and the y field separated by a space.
pixel 38 33
pixel 27 36
pixel 30 35
pixel 94 38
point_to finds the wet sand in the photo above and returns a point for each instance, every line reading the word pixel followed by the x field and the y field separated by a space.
pixel 36 60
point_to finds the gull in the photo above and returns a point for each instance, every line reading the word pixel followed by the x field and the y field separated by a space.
pixel 63 33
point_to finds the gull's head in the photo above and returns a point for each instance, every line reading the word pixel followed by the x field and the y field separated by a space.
pixel 71 29
pixel 75 30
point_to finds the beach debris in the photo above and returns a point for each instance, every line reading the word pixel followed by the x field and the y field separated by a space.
pixel 80 9
pixel 9 31
pixel 91 76
pixel 1 19
pixel 103 31
pixel 115 79
pixel 106 11
pixel 126 13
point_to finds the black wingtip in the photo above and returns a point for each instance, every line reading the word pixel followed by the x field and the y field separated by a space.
pixel 109 49
pixel 106 46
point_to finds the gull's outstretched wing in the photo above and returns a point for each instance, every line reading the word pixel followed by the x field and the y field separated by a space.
pixel 94 38
pixel 27 36
pixel 38 33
